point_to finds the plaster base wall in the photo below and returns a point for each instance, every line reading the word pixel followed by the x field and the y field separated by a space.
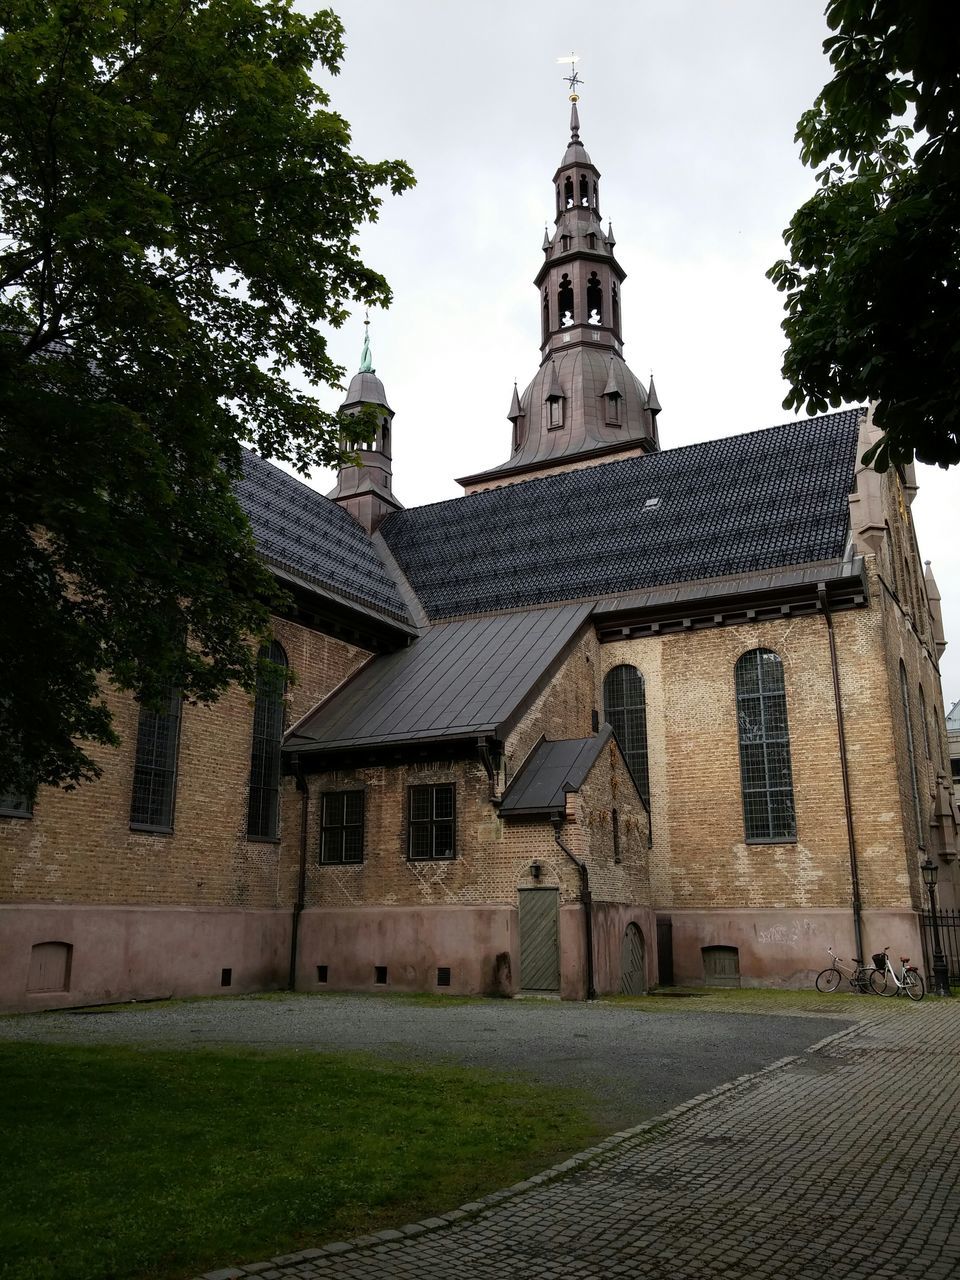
pixel 141 953
pixel 479 945
pixel 786 948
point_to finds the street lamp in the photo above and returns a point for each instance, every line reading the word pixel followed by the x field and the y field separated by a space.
pixel 941 978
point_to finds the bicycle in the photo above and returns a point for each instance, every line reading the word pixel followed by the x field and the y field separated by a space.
pixel 859 976
pixel 909 979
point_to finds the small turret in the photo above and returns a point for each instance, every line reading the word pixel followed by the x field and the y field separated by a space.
pixel 653 403
pixel 936 612
pixel 365 488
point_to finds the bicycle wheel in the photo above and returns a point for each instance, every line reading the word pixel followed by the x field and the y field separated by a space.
pixel 913 984
pixel 878 981
pixel 828 980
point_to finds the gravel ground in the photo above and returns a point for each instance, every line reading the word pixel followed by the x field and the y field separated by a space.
pixel 631 1063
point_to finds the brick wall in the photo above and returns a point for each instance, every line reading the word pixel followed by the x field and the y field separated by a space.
pixel 78 846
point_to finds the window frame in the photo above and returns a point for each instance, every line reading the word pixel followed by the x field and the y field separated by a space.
pixel 342 827
pixel 768 740
pixel 173 697
pixel 275 653
pixel 15 810
pixel 433 822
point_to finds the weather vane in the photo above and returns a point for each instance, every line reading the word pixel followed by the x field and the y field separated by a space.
pixel 573 79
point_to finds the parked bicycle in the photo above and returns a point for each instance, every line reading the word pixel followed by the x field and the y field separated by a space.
pixel 908 981
pixel 856 973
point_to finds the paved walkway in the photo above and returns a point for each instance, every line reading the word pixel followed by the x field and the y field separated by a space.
pixel 842 1162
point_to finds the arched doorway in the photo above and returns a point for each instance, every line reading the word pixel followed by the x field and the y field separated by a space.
pixel 633 971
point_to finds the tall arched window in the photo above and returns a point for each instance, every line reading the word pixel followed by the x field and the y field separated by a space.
pixel 765 775
pixel 155 768
pixel 263 808
pixel 912 756
pixel 625 710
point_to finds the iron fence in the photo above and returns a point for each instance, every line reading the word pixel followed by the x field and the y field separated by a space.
pixel 949 925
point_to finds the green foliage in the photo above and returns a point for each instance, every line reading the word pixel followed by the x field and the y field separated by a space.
pixel 121 1162
pixel 872 282
pixel 179 208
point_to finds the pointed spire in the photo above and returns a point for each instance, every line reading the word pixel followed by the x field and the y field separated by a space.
pixel 516 408
pixel 574 119
pixel 613 386
pixel 653 404
pixel 609 237
pixel 366 358
pixel 554 390
pixel 546 239
pixel 936 610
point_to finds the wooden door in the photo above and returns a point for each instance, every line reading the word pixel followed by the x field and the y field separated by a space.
pixel 539 940
pixel 633 973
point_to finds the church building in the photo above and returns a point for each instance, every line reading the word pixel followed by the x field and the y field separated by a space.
pixel 619 714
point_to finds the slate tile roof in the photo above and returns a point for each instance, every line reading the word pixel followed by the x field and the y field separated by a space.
pixel 745 503
pixel 459 679
pixel 298 529
pixel 549 772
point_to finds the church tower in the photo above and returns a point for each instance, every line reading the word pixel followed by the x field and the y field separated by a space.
pixel 584 406
pixel 366 489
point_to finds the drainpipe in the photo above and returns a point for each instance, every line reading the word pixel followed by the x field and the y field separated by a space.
pixel 585 898
pixel 302 875
pixel 844 773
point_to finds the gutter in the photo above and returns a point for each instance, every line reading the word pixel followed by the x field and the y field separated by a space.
pixel 302 873
pixel 845 775
pixel 585 897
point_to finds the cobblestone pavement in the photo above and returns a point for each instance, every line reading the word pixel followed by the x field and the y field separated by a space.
pixel 842 1162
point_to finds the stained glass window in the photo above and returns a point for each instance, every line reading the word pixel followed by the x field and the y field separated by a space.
pixel 263 806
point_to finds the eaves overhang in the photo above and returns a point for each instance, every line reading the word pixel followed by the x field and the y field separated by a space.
pixel 643 443
pixel 741 598
pixel 319 607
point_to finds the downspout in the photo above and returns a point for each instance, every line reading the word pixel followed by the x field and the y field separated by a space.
pixel 844 774
pixel 585 898
pixel 302 874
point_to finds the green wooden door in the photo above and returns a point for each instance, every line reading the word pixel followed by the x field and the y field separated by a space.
pixel 539 940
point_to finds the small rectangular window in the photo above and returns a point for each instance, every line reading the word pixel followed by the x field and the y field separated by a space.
pixel 341 836
pixel 555 412
pixel 380 974
pixel 443 976
pixel 226 977
pixel 432 823
pixel 321 973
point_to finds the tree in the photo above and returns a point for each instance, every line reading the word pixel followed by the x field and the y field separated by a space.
pixel 872 283
pixel 179 208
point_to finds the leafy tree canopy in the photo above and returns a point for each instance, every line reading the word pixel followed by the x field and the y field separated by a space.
pixel 178 208
pixel 872 282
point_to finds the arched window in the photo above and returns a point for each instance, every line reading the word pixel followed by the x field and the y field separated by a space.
pixel 615 301
pixel 584 190
pixel 925 723
pixel 912 756
pixel 155 768
pixel 568 192
pixel 625 710
pixel 263 807
pixel 546 314
pixel 765 775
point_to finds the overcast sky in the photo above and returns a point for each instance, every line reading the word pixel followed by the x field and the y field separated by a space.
pixel 688 108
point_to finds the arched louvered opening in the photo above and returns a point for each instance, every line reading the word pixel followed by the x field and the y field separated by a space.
pixel 615 307
pixel 584 190
pixel 594 299
pixel 568 192
pixel 625 710
pixel 766 778
pixel 263 806
pixel 565 302
pixel 546 314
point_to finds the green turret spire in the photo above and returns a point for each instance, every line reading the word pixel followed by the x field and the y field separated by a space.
pixel 366 359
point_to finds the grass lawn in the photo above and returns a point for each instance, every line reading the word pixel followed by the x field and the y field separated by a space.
pixel 126 1162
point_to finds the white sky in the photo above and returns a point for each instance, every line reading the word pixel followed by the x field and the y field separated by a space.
pixel 688 108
